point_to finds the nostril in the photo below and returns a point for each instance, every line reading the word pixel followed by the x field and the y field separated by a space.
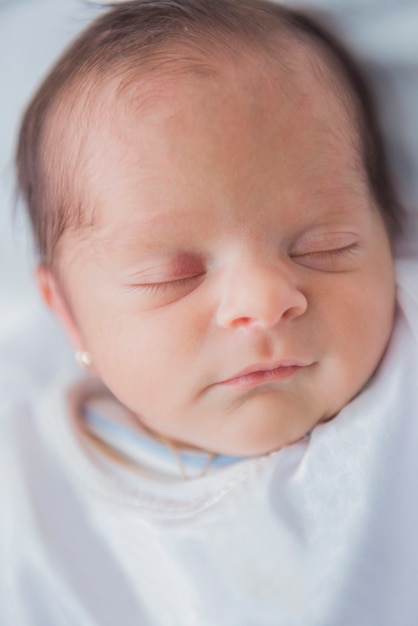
pixel 241 321
pixel 294 311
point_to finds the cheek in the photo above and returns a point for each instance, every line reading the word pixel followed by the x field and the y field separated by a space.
pixel 379 293
pixel 143 347
pixel 364 317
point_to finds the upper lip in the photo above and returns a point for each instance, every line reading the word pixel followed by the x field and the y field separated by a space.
pixel 265 367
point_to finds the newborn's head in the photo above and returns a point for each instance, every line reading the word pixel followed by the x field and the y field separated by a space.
pixel 213 215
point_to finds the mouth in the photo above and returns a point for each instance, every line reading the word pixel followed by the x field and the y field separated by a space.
pixel 265 373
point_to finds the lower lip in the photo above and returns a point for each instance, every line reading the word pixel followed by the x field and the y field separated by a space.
pixel 263 376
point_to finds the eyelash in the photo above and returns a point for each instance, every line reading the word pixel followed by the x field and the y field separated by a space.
pixel 344 251
pixel 158 287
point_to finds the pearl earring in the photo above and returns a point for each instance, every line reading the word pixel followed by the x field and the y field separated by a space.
pixel 83 359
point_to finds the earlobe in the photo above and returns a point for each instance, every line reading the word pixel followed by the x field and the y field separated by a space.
pixel 53 297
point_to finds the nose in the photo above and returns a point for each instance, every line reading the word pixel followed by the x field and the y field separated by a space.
pixel 259 296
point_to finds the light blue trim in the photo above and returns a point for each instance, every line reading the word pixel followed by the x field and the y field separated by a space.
pixel 120 434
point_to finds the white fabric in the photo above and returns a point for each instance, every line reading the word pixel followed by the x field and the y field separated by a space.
pixel 322 533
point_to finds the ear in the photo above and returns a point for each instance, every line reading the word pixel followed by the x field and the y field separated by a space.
pixel 53 297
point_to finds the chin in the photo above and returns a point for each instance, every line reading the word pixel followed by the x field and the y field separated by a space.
pixel 260 430
pixel 259 446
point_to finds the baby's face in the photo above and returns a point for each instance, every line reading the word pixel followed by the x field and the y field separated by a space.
pixel 237 286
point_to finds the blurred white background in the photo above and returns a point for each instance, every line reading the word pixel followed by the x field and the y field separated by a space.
pixel 382 33
pixel 32 33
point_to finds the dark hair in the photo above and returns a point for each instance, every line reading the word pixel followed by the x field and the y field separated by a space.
pixel 141 31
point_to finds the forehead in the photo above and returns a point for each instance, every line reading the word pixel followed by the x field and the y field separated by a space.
pixel 248 93
pixel 240 122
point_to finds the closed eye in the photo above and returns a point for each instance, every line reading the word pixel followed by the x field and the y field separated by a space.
pixel 167 285
pixel 335 259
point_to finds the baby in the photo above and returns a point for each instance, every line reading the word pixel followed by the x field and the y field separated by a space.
pixel 214 220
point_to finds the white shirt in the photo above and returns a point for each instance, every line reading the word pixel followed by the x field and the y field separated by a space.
pixel 321 533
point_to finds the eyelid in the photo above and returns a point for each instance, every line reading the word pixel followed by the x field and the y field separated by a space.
pixel 340 259
pixel 323 244
pixel 166 284
pixel 343 250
